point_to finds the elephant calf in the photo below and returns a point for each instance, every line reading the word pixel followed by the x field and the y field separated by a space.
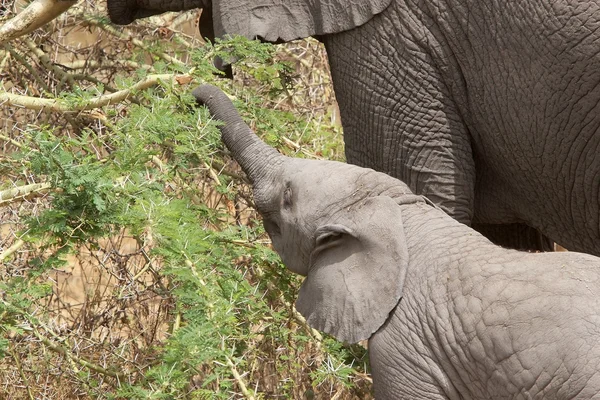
pixel 448 314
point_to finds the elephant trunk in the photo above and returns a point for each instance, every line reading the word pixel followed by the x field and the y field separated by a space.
pixel 257 159
pixel 123 12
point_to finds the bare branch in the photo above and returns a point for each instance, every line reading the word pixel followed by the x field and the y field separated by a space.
pixel 13 142
pixel 82 361
pixel 37 14
pixel 11 250
pixel 62 106
pixel 23 376
pixel 94 64
pixel 21 191
pixel 240 381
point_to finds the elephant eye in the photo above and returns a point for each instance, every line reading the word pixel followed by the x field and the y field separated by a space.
pixel 271 227
pixel 287 197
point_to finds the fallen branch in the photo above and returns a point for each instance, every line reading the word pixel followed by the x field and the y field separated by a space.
pixel 37 14
pixel 62 106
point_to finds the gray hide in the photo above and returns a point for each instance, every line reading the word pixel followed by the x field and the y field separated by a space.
pixel 490 109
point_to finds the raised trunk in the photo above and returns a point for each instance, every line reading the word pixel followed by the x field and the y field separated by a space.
pixel 124 12
pixel 255 157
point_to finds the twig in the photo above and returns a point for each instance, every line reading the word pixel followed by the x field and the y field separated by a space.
pixel 293 145
pixel 182 18
pixel 316 334
pixel 176 323
pixel 19 57
pixel 222 171
pixel 5 58
pixel 305 63
pixel 62 106
pixel 59 349
pixel 23 376
pixel 157 161
pixel 88 364
pixel 142 271
pixel 13 142
pixel 212 173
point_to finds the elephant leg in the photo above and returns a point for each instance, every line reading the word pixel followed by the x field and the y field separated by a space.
pixel 397 90
pixel 515 236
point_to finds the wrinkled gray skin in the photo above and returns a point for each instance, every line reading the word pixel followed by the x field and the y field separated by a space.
pixel 490 109
pixel 448 314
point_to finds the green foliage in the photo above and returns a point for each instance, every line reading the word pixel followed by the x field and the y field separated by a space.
pixel 143 174
pixel 87 203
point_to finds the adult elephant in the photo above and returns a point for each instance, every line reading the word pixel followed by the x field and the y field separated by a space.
pixel 490 109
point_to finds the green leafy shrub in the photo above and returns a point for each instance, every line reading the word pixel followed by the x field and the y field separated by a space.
pixel 198 306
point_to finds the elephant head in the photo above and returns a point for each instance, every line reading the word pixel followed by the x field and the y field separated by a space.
pixel 328 221
pixel 271 20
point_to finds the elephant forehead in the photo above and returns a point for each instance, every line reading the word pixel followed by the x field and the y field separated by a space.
pixel 334 176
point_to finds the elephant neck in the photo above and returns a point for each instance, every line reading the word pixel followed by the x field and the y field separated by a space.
pixel 433 237
pixel 451 268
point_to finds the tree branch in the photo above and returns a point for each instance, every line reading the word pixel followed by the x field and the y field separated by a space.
pixel 21 191
pixel 95 65
pixel 8 252
pixel 62 106
pixel 48 64
pixel 238 378
pixel 37 14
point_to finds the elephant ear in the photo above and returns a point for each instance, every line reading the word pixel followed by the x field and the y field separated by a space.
pixel 285 20
pixel 357 271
